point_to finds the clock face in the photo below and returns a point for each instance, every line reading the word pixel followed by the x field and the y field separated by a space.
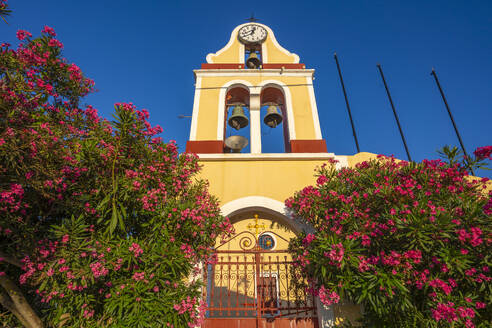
pixel 252 33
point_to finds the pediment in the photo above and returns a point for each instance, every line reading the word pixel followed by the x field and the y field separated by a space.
pixel 272 51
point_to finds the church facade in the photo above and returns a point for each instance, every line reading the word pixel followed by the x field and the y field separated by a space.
pixel 244 91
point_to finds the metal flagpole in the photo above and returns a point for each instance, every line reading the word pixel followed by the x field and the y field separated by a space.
pixel 433 73
pixel 394 112
pixel 347 103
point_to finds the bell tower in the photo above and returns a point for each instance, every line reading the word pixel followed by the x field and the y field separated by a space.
pixel 246 93
pixel 251 78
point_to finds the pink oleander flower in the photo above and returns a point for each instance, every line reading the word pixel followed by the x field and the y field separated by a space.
pixel 483 152
pixel 328 297
pixel 136 249
pixel 321 180
pixel 98 269
pixel 137 276
pixel 22 34
pixel 48 30
pixel 55 43
pixel 445 312
pixel 309 238
pixel 336 252
pixel 366 241
pixel 363 264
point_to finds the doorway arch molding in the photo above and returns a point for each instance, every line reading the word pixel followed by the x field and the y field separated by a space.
pixel 271 206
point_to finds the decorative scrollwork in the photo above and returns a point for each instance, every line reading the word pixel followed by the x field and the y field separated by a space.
pixel 246 243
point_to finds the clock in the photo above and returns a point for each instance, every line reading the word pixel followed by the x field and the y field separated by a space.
pixel 252 33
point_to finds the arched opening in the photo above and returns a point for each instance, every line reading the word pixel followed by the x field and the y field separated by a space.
pixel 237 120
pixel 253 58
pixel 253 282
pixel 275 136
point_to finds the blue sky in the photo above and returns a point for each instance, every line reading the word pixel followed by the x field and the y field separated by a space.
pixel 144 52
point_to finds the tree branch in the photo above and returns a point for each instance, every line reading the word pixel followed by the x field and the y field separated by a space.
pixel 20 303
pixel 7 303
pixel 10 260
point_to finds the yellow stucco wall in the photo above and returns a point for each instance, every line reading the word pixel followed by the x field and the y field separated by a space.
pixel 276 179
pixel 360 157
pixel 230 55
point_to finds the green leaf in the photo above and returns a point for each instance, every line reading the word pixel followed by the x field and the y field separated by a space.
pixel 104 201
pixel 114 219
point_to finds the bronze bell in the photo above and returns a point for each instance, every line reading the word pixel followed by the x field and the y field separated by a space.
pixel 253 61
pixel 273 116
pixel 237 119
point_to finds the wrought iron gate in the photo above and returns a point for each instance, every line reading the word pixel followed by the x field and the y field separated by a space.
pixel 255 286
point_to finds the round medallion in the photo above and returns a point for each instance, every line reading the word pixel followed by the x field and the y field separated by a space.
pixel 266 241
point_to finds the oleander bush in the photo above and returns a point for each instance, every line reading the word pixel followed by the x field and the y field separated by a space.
pixel 410 242
pixel 102 224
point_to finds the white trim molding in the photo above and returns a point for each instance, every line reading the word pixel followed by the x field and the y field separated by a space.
pixel 314 108
pixel 254 72
pixel 242 53
pixel 255 124
pixel 271 206
pixel 342 161
pixel 273 157
pixel 264 53
pixel 253 201
pixel 196 105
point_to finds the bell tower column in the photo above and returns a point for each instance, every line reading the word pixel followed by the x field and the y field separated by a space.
pixel 254 114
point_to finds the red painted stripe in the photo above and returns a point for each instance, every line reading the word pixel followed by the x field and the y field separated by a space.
pixel 308 146
pixel 241 66
pixel 222 66
pixel 286 66
pixel 205 147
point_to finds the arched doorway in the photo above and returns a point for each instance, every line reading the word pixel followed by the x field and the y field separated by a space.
pixel 253 282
